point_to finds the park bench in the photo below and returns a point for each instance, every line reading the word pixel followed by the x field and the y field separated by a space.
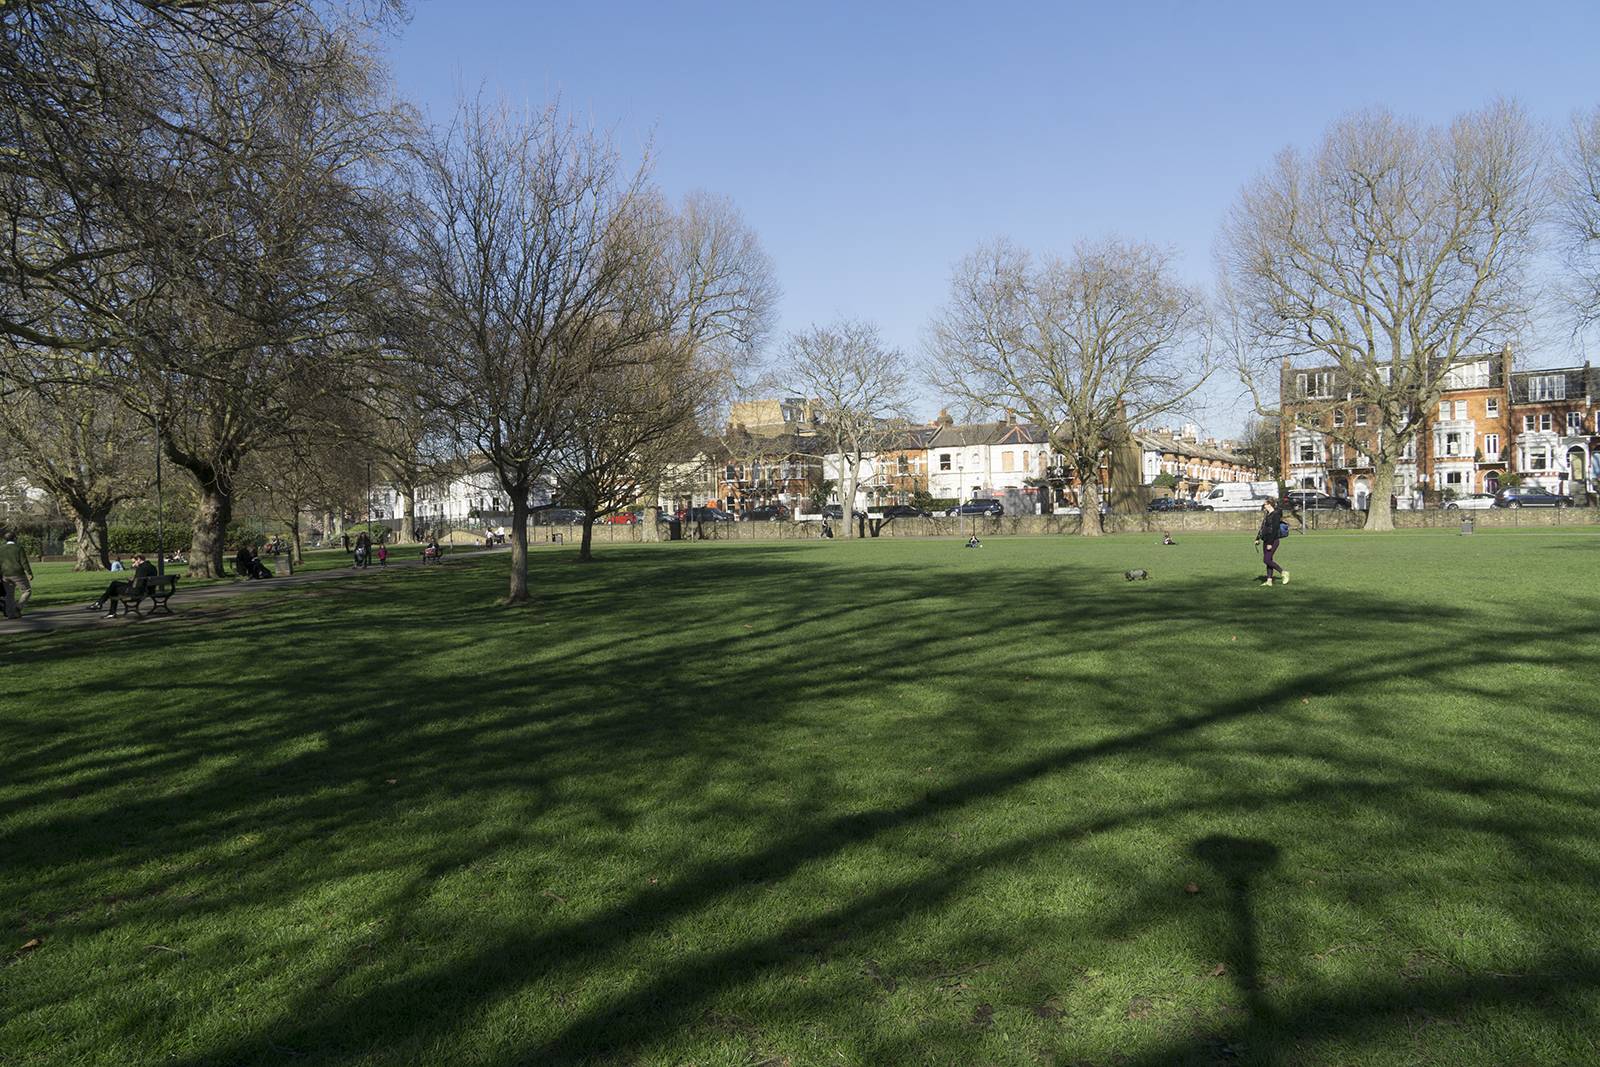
pixel 159 589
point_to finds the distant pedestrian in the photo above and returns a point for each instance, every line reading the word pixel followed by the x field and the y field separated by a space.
pixel 116 564
pixel 1267 537
pixel 383 554
pixel 16 573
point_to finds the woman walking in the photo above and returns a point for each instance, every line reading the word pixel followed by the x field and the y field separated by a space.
pixel 1271 530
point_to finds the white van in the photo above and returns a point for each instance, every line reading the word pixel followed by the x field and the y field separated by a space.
pixel 1240 496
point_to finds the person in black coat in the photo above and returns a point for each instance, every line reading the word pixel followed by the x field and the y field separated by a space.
pixel 142 569
pixel 1267 537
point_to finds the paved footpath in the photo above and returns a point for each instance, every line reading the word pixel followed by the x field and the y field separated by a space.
pixel 77 616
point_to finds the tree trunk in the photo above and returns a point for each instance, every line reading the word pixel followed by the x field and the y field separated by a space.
pixel 649 524
pixel 93 548
pixel 519 550
pixel 584 554
pixel 1089 505
pixel 408 513
pixel 211 532
pixel 1380 519
pixel 847 497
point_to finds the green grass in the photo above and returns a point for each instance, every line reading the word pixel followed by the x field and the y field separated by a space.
pixel 58 585
pixel 802 803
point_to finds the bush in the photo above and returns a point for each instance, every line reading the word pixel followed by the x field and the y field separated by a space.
pixel 127 539
pixel 31 545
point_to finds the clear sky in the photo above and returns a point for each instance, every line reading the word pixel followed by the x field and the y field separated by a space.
pixel 872 145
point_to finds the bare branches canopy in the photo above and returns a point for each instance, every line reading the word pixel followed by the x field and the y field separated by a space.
pixel 1084 345
pixel 1390 255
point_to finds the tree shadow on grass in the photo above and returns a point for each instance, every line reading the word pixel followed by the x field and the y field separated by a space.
pixel 323 740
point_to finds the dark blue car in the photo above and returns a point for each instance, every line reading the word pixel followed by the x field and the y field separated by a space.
pixel 976 507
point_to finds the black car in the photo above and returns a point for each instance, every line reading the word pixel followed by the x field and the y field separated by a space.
pixel 836 511
pixel 559 517
pixel 1531 496
pixel 1176 503
pixel 770 513
pixel 976 507
pixel 1313 500
pixel 705 515
pixel 905 511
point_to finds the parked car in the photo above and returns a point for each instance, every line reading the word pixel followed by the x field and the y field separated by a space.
pixel 769 513
pixel 1530 496
pixel 905 511
pixel 623 518
pixel 559 517
pixel 1177 503
pixel 836 511
pixel 976 507
pixel 1471 502
pixel 705 515
pixel 1315 500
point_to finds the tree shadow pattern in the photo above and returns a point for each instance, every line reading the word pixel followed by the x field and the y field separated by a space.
pixel 321 732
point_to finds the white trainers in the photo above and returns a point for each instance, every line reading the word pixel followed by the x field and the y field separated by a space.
pixel 1285 577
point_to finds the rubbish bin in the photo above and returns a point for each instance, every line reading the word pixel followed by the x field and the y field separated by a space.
pixel 282 566
pixel 1466 526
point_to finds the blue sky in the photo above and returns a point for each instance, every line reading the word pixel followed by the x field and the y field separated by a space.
pixel 872 145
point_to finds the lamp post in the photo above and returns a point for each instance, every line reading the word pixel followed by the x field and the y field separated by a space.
pixel 161 548
pixel 961 474
pixel 369 498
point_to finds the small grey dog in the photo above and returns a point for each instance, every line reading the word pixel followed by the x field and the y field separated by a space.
pixel 1136 576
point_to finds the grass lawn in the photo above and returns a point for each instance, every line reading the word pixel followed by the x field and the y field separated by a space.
pixel 875 803
pixel 57 585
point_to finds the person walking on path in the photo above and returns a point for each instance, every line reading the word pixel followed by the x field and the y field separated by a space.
pixel 16 572
pixel 1267 537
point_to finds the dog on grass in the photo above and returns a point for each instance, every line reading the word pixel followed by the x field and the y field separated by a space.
pixel 1136 576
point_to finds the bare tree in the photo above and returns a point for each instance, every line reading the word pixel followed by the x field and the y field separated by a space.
pixel 859 384
pixel 528 255
pixel 70 434
pixel 626 423
pixel 718 297
pixel 1084 346
pixel 1393 254
pixel 1581 216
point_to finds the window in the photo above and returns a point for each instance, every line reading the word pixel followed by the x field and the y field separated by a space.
pixel 1300 384
pixel 1308 453
pixel 1546 422
pixel 1537 459
pixel 1361 414
pixel 1384 373
pixel 1491 407
pixel 903 466
pixel 1452 478
pixel 1528 423
pixel 1461 411
pixel 1452 444
pixel 1548 387
pixel 1468 376
pixel 1491 446
pixel 1405 414
pixel 1337 451
pixel 944 461
pixel 1338 417
pixel 1008 461
pixel 1574 422
pixel 1324 383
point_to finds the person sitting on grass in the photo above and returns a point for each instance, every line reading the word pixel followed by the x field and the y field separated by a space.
pixel 1166 538
pixel 974 543
pixel 142 570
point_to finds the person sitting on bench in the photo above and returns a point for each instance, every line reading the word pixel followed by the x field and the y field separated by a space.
pixel 142 570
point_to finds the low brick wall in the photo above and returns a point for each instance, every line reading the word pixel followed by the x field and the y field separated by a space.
pixel 1242 522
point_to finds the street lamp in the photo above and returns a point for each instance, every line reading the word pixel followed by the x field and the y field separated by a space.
pixel 961 474
pixel 369 498
pixel 161 546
